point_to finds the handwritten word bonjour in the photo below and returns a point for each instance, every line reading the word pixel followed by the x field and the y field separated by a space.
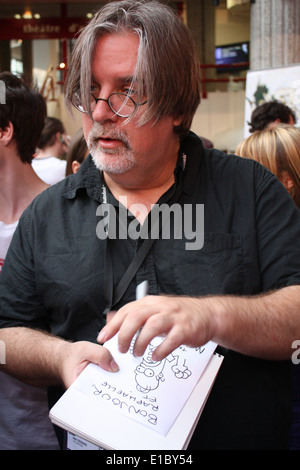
pixel 126 402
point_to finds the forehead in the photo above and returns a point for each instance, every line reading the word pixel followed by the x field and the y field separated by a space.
pixel 115 55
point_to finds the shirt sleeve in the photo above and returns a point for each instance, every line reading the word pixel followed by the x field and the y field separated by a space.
pixel 19 299
pixel 278 233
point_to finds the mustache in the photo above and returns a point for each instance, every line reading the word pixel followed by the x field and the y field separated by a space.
pixel 107 131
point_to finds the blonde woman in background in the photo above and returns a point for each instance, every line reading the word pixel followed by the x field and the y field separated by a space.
pixel 278 149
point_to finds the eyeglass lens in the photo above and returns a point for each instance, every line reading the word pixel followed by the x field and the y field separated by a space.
pixel 119 103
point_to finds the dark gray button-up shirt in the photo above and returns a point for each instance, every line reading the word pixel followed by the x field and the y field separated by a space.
pixel 54 275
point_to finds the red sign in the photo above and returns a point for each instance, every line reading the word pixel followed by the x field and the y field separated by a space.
pixel 46 28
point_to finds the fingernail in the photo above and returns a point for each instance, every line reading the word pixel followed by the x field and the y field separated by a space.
pixel 101 337
pixel 122 349
pixel 137 353
pixel 114 366
pixel 155 357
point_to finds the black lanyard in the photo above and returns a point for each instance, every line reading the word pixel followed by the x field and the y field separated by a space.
pixel 113 296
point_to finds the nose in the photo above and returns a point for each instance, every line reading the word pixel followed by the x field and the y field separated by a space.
pixel 102 111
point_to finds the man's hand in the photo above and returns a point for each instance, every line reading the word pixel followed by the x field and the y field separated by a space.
pixel 41 359
pixel 262 326
pixel 74 357
pixel 178 318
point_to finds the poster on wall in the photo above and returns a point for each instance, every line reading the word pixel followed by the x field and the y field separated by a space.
pixel 281 84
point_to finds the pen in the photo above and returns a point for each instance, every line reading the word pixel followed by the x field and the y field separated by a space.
pixel 140 292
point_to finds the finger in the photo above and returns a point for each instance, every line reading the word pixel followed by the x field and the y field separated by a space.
pixel 172 341
pixel 107 362
pixel 127 322
pixel 83 353
pixel 130 330
pixel 156 326
pixel 148 318
pixel 112 327
pixel 102 357
pixel 110 315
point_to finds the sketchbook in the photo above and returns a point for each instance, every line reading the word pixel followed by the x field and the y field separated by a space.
pixel 145 405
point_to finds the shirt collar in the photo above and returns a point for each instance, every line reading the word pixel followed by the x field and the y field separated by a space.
pixel 90 178
pixel 188 163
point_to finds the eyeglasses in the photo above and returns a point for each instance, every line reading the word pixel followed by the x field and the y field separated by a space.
pixel 120 103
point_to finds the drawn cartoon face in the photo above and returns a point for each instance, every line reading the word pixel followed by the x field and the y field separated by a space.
pixel 146 378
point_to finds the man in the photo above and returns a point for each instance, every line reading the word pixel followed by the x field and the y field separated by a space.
pixel 23 408
pixel 138 89
pixel 269 114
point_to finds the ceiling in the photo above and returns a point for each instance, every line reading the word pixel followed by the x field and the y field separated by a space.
pixel 48 2
pixel 79 8
pixel 48 9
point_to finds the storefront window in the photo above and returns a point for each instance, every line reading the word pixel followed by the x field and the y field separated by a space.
pixel 16 59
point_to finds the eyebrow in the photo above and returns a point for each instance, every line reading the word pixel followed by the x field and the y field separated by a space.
pixel 120 80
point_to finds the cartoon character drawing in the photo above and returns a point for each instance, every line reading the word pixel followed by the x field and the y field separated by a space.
pixel 149 374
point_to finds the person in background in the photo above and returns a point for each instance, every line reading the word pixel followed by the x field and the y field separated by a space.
pixel 138 89
pixel 278 149
pixel 23 408
pixel 19 184
pixel 269 114
pixel 51 148
pixel 77 152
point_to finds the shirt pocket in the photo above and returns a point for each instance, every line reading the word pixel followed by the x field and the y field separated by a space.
pixel 217 268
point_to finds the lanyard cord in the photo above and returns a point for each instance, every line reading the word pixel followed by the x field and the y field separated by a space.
pixel 113 296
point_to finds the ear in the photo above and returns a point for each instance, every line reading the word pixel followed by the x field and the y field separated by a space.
pixel 75 166
pixel 7 134
pixel 286 180
pixel 177 121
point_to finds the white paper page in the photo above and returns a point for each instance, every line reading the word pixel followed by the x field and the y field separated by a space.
pixel 152 393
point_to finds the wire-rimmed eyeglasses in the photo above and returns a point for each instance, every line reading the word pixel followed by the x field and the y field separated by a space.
pixel 120 103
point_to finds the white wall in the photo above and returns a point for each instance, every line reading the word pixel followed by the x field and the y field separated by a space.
pixel 42 57
pixel 220 118
pixel 231 27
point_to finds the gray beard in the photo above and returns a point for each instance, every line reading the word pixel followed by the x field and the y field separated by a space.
pixel 116 161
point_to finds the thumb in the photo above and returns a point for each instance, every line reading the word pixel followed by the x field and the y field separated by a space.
pixel 105 360
pixel 82 353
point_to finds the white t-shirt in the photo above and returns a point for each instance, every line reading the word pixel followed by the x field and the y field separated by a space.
pixel 50 169
pixel 24 413
pixel 6 233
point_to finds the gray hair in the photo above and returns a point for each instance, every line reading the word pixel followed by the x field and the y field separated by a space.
pixel 167 69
